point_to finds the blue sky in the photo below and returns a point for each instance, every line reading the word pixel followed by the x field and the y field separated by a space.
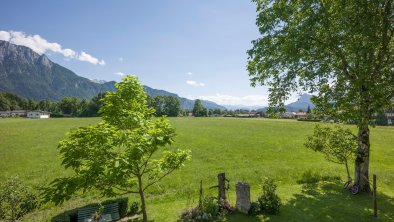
pixel 196 49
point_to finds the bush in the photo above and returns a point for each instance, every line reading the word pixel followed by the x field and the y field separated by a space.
pixel 269 200
pixel 16 200
pixel 133 208
pixel 208 211
pixel 254 208
pixel 210 206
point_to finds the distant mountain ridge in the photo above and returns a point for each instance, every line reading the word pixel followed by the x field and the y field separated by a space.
pixel 301 104
pixel 33 76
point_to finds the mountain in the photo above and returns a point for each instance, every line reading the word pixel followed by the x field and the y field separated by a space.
pixel 185 103
pixel 244 107
pixel 33 76
pixel 302 103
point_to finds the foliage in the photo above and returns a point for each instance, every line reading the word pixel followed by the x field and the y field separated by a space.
pixel 16 200
pixel 198 109
pixel 341 50
pixel 97 215
pixel 339 145
pixel 116 156
pixel 254 209
pixel 269 201
pixel 209 210
pixel 165 105
pixel 133 208
pixel 210 206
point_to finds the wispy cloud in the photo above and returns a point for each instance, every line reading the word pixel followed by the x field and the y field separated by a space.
pixel 189 73
pixel 120 59
pixel 119 74
pixel 194 83
pixel 41 46
pixel 248 100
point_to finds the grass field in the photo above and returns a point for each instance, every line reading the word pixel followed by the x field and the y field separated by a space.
pixel 245 149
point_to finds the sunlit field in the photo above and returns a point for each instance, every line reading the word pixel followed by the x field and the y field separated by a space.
pixel 245 149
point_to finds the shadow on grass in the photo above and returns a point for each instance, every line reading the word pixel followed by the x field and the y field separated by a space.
pixel 327 201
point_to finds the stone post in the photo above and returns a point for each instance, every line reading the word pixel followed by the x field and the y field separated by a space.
pixel 243 197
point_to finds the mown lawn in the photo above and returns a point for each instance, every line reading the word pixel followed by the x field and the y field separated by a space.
pixel 245 149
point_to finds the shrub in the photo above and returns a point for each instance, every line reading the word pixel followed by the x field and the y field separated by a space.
pixel 254 208
pixel 269 200
pixel 208 211
pixel 133 208
pixel 16 200
pixel 210 206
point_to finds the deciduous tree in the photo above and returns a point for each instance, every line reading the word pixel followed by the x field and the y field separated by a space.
pixel 341 50
pixel 121 155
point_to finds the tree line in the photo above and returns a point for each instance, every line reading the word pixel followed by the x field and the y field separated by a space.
pixel 71 106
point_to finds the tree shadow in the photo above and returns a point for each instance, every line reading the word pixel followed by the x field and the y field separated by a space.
pixel 327 201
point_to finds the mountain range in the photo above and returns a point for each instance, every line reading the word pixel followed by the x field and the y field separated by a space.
pixel 301 104
pixel 34 76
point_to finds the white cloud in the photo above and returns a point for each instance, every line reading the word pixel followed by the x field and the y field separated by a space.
pixel 194 83
pixel 189 73
pixel 119 74
pixel 41 45
pixel 88 58
pixel 120 59
pixel 5 36
pixel 248 100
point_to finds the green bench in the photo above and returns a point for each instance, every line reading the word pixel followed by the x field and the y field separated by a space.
pixel 110 213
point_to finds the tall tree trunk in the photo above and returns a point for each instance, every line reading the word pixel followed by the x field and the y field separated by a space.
pixel 142 196
pixel 361 172
pixel 347 169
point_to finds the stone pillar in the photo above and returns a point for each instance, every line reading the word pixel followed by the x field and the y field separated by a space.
pixel 243 197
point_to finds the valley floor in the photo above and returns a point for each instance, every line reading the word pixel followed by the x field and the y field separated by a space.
pixel 245 149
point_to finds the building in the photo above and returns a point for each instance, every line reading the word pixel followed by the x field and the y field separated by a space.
pixel 301 115
pixel 38 114
pixel 14 113
pixel 390 116
pixel 287 115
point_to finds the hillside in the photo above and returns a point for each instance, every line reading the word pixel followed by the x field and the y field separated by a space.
pixel 33 76
pixel 302 103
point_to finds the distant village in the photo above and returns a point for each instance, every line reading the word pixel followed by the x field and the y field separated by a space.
pixel 301 116
pixel 23 113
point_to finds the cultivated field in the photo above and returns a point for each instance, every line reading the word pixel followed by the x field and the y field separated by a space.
pixel 245 149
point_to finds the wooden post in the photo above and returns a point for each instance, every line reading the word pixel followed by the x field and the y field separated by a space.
pixel 222 185
pixel 200 199
pixel 375 205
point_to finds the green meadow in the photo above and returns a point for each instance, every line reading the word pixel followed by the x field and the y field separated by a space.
pixel 245 149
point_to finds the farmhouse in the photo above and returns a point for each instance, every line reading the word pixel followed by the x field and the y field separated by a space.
pixel 38 114
pixel 301 115
pixel 14 113
pixel 287 115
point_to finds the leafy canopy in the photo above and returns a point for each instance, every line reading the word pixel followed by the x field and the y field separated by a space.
pixel 343 50
pixel 115 154
pixel 337 144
